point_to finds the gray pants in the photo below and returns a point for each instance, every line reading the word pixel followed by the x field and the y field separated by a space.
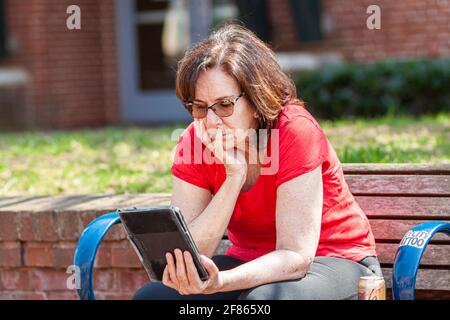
pixel 327 279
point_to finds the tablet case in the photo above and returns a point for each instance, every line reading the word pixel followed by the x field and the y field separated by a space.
pixel 154 231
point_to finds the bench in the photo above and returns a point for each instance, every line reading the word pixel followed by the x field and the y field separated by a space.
pixel 402 201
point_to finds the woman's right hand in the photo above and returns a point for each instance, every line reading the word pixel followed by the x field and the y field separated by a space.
pixel 233 158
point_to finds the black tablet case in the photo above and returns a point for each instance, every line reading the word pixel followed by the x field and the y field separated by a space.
pixel 154 231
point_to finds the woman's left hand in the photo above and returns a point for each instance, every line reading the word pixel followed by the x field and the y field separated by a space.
pixel 181 274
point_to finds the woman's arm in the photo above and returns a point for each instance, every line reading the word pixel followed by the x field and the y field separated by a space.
pixel 298 216
pixel 207 218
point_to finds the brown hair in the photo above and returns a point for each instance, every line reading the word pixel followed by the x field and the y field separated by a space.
pixel 249 60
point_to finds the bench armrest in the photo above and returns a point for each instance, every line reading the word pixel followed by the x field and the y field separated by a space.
pixel 86 250
pixel 409 254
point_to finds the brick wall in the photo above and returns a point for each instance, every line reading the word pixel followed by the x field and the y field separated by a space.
pixel 73 72
pixel 38 236
pixel 409 28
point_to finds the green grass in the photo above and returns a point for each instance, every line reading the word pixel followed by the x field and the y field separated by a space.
pixel 138 160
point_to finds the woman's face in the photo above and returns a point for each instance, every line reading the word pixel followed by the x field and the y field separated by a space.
pixel 213 85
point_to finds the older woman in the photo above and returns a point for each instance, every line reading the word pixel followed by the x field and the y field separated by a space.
pixel 295 229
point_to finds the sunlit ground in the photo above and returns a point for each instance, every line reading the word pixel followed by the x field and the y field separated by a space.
pixel 138 160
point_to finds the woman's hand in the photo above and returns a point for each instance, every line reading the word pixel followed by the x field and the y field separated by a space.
pixel 224 148
pixel 181 274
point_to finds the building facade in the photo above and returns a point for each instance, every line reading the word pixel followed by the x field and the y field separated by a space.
pixel 119 67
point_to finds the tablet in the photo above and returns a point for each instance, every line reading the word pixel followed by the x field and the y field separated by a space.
pixel 154 231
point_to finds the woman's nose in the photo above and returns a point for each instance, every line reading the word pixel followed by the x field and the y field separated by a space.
pixel 212 119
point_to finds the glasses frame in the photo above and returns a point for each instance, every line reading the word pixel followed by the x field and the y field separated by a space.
pixel 188 105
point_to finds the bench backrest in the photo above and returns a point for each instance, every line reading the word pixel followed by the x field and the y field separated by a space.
pixel 396 198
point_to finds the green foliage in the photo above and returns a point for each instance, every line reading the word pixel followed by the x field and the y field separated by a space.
pixel 138 160
pixel 389 87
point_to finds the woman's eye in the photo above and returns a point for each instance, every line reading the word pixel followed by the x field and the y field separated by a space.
pixel 225 103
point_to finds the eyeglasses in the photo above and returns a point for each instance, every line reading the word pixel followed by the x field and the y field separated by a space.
pixel 223 108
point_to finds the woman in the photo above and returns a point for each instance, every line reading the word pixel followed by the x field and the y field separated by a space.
pixel 295 228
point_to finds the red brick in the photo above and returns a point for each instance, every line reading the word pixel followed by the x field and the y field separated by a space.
pixel 30 295
pixel 103 257
pixel 26 228
pixel 87 217
pixel 132 280
pixel 47 226
pixel 124 256
pixel 106 280
pixel 69 225
pixel 63 255
pixel 16 280
pixel 116 232
pixel 39 254
pixel 8 224
pixel 10 254
pixel 5 295
pixel 47 279
pixel 62 295
pixel 113 295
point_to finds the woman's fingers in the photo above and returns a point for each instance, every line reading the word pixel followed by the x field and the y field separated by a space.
pixel 202 134
pixel 192 273
pixel 181 269
pixel 166 279
pixel 171 269
pixel 229 141
pixel 209 265
pixel 225 147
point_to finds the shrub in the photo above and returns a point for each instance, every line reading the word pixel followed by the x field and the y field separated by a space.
pixel 388 87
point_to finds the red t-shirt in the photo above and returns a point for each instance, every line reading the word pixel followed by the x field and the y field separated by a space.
pixel 345 230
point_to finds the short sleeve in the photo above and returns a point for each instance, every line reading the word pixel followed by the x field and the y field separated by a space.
pixel 186 164
pixel 302 147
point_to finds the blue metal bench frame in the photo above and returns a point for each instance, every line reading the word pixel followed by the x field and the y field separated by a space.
pixel 409 254
pixel 84 257
pixel 404 274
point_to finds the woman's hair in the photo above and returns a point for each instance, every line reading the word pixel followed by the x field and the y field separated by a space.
pixel 246 58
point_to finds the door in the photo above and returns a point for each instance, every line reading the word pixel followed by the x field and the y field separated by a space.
pixel 146 75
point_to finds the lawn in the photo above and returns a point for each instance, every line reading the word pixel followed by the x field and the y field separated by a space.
pixel 138 160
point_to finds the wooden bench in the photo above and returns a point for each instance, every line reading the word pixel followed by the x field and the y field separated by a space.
pixel 396 198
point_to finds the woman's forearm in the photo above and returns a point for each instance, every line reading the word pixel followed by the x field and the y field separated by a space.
pixel 275 266
pixel 208 228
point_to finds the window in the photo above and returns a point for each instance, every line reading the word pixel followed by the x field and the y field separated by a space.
pixel 307 19
pixel 156 69
pixel 254 14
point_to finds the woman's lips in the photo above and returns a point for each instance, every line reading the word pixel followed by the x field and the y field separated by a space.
pixel 223 135
pixel 213 132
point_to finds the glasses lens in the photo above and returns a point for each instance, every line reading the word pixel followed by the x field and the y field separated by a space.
pixel 199 111
pixel 224 108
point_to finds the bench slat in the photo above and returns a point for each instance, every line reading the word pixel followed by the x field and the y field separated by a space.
pixel 435 255
pixel 394 230
pixel 433 185
pixel 408 207
pixel 395 168
pixel 427 279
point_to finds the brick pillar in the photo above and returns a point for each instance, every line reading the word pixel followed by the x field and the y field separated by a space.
pixel 73 72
